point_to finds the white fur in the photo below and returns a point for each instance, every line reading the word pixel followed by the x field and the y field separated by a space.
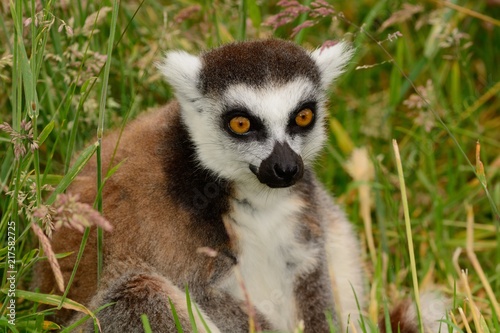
pixel 344 259
pixel 332 61
pixel 433 308
pixel 266 238
pixel 181 70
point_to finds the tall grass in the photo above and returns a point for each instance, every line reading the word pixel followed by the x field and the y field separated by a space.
pixel 425 74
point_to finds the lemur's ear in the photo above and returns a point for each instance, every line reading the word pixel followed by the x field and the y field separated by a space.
pixel 181 70
pixel 332 61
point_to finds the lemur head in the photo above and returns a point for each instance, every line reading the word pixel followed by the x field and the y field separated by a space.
pixel 255 110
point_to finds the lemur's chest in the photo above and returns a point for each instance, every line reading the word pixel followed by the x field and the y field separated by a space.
pixel 270 256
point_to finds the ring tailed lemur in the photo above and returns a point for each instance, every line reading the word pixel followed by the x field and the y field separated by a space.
pixel 216 192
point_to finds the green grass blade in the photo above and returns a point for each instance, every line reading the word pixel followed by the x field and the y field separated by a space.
pixel 100 233
pixel 45 132
pixel 5 323
pixel 107 66
pixel 72 328
pixel 387 318
pixel 113 170
pixel 17 15
pixel 175 316
pixel 242 31
pixel 27 78
pixel 331 322
pixel 86 89
pixel 360 309
pixel 68 178
pixel 215 38
pixel 145 324
pixel 54 300
pixel 202 318
pixel 190 311
pixel 100 131
pixel 409 234
pixel 253 11
pixel 79 256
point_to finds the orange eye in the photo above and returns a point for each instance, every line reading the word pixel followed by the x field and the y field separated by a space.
pixel 239 125
pixel 304 117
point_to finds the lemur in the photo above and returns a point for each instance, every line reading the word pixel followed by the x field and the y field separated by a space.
pixel 216 191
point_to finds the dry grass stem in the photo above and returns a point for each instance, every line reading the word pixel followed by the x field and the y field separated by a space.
pixel 473 306
pixel 361 169
pixel 373 307
pixel 456 256
pixel 475 262
pixel 469 12
pixel 492 92
pixel 51 257
pixel 352 328
pixel 464 320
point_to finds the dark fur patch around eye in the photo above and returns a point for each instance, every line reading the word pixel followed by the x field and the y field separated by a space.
pixel 295 129
pixel 254 63
pixel 257 129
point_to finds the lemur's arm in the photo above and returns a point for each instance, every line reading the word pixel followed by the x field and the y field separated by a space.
pixel 314 299
pixel 141 291
pixel 229 314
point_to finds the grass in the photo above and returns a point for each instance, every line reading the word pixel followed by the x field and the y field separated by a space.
pixel 54 73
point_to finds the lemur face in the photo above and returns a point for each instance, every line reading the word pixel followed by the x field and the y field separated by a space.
pixel 273 129
pixel 255 110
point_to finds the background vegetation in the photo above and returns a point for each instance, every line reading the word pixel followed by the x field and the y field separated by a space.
pixel 425 73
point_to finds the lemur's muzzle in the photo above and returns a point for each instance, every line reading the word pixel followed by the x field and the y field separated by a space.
pixel 282 168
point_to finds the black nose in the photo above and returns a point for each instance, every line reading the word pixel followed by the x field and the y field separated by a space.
pixel 285 172
pixel 282 168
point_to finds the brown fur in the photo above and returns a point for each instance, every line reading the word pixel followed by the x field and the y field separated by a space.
pixel 255 62
pixel 399 320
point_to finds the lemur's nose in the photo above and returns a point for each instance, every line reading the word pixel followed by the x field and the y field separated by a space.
pixel 282 168
pixel 285 172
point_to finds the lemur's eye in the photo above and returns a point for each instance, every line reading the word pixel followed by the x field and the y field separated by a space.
pixel 304 117
pixel 239 125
